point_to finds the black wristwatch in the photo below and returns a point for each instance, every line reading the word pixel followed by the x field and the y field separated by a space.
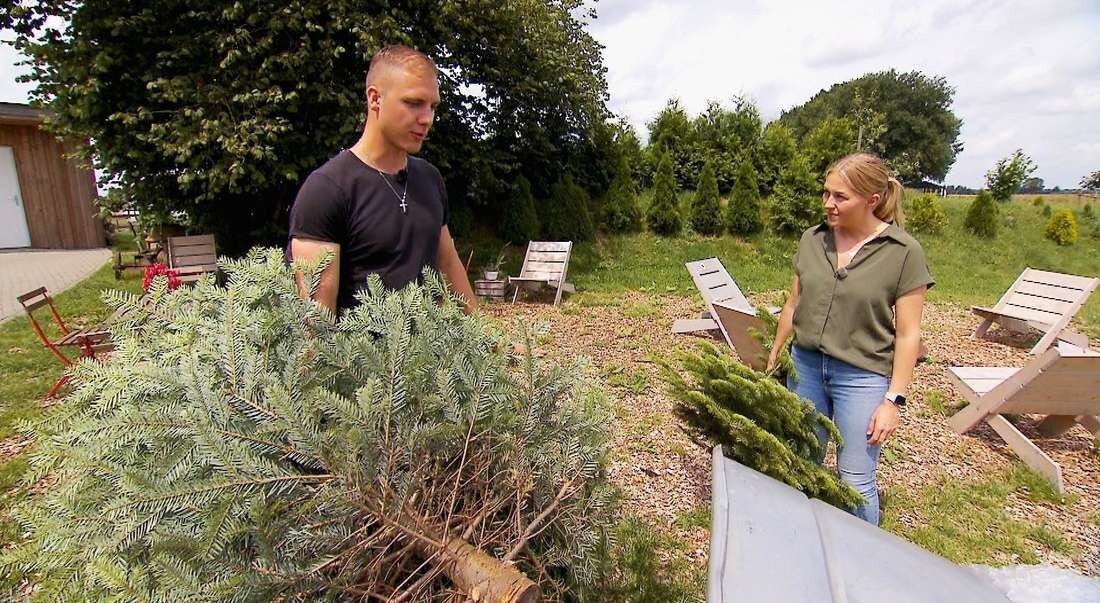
pixel 897 399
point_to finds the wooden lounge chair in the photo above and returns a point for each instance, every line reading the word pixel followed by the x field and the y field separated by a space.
pixel 1040 300
pixel 728 312
pixel 1062 383
pixel 191 257
pixel 90 341
pixel 545 265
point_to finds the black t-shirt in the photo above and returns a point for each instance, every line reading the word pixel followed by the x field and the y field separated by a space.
pixel 347 202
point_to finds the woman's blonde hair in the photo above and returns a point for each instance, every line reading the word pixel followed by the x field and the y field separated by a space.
pixel 867 175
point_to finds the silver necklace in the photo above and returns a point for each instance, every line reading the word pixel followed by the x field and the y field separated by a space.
pixel 404 190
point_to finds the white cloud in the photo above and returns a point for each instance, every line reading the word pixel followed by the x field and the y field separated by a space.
pixel 1026 74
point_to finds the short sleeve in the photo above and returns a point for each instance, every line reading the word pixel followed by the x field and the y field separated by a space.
pixel 914 272
pixel 319 211
pixel 443 196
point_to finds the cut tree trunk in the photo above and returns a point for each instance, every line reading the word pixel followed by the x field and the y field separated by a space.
pixel 486 578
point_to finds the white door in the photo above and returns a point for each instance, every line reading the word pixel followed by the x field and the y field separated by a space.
pixel 13 220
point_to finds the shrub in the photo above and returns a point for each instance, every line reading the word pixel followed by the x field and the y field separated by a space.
pixel 519 221
pixel 1047 211
pixel 566 216
pixel 621 211
pixel 981 217
pixel 706 212
pixel 1062 228
pixel 743 213
pixel 1087 212
pixel 243 445
pixel 758 422
pixel 664 212
pixel 1037 201
pixel 796 204
pixel 926 215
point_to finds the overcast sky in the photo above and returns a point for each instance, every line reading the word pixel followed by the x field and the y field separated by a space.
pixel 1027 74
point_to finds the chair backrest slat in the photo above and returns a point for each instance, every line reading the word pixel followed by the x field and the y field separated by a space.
pixel 192 251
pixel 31 306
pixel 716 285
pixel 546 260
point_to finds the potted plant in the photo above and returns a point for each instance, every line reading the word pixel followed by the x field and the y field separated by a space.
pixel 492 271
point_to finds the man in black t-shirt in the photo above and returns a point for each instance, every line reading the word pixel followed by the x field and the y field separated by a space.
pixel 374 206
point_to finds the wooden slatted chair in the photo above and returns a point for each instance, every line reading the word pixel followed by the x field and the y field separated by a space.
pixel 1043 301
pixel 1063 383
pixel 545 265
pixel 192 257
pixel 89 341
pixel 728 312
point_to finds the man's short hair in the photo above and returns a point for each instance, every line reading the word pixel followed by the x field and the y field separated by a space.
pixel 398 55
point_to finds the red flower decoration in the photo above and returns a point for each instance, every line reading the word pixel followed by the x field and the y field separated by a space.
pixel 159 269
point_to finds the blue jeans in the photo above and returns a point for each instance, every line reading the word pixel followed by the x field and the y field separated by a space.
pixel 849 396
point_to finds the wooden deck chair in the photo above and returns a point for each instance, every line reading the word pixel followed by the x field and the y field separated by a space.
pixel 545 265
pixel 1040 300
pixel 728 312
pixel 1063 383
pixel 192 256
pixel 89 341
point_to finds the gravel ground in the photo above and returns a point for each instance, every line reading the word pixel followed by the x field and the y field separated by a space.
pixel 664 474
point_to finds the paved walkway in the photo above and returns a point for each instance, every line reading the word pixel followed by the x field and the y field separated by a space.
pixel 22 271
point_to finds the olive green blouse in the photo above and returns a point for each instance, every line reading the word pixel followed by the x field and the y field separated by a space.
pixel 849 314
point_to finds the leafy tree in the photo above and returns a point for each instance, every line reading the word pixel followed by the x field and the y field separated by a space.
pixel 1062 228
pixel 777 148
pixel 758 422
pixel 671 132
pixel 220 112
pixel 519 221
pixel 621 210
pixel 832 139
pixel 743 212
pixel 919 123
pixel 1032 185
pixel 796 204
pixel 629 148
pixel 243 445
pixel 706 211
pixel 1091 182
pixel 981 216
pixel 664 212
pixel 926 215
pixel 1005 178
pixel 566 215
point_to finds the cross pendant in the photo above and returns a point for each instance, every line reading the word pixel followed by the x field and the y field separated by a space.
pixel 404 207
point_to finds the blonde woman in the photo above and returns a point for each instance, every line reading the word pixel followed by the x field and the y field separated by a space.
pixel 855 310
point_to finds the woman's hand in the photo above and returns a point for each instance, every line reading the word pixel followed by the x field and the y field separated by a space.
pixel 883 423
pixel 773 360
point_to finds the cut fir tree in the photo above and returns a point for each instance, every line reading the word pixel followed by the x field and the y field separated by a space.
pixel 758 422
pixel 242 445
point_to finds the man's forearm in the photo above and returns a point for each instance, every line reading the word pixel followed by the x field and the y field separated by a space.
pixel 455 273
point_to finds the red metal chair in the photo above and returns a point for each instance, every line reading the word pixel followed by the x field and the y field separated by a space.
pixel 89 341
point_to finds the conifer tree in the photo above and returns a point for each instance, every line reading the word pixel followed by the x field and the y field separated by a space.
pixel 566 214
pixel 796 204
pixel 981 216
pixel 664 212
pixel 621 211
pixel 241 444
pixel 706 212
pixel 758 422
pixel 519 222
pixel 743 212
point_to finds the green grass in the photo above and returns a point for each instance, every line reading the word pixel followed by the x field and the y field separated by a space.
pixel 968 270
pixel 966 521
pixel 29 370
